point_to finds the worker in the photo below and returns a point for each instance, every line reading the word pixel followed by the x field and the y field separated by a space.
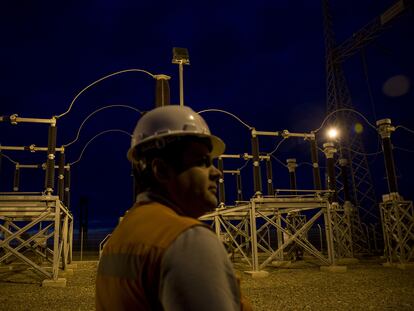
pixel 160 257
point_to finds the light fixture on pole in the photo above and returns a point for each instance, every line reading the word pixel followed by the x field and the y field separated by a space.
pixel 332 133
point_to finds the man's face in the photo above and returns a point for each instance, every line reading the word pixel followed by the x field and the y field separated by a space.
pixel 194 187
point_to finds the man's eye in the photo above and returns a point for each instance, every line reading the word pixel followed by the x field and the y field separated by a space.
pixel 205 162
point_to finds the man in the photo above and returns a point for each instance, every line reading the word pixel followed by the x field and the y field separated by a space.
pixel 160 257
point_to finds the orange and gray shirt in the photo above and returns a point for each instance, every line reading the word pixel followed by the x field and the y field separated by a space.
pixel 159 260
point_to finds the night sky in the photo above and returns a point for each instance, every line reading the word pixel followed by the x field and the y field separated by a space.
pixel 264 61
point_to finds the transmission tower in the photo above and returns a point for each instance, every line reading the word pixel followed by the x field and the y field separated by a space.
pixel 350 147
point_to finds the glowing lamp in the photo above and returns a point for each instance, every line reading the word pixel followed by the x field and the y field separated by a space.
pixel 333 133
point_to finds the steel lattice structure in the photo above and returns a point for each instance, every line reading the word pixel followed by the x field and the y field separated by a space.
pixel 338 97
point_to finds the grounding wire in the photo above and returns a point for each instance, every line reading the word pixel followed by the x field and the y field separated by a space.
pixel 96 111
pixel 97 135
pixel 344 109
pixel 8 158
pixel 99 80
pixel 405 128
pixel 229 113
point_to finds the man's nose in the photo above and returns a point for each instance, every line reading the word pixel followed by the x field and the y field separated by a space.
pixel 215 173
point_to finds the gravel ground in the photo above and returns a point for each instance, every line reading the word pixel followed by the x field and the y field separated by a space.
pixel 365 286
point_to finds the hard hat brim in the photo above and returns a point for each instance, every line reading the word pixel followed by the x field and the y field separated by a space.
pixel 217 145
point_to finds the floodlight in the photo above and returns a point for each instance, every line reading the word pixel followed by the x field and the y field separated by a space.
pixel 333 133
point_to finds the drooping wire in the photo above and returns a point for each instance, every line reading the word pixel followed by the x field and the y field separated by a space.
pixel 344 109
pixel 96 136
pixel 279 161
pixel 244 165
pixel 99 80
pixel 229 113
pixel 96 111
pixel 405 128
pixel 277 146
pixel 8 158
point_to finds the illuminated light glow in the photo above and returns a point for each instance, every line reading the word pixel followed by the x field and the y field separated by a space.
pixel 333 133
pixel 358 128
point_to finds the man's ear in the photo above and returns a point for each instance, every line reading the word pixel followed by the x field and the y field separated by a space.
pixel 160 170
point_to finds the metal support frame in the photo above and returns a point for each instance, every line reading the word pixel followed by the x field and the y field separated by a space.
pixel 397 214
pixel 36 230
pixel 341 220
pixel 245 229
pixel 398 226
pixel 342 231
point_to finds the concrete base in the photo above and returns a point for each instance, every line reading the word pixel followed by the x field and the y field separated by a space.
pixel 406 266
pixel 401 266
pixel 72 265
pixel 257 274
pixel 347 261
pixel 281 263
pixel 67 272
pixel 60 282
pixel 339 269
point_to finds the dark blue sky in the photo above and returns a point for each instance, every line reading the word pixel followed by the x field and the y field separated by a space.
pixel 263 61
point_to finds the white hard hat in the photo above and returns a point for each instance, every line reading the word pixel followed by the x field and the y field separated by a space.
pixel 170 121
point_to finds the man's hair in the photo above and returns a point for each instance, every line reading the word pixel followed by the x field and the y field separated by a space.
pixel 171 153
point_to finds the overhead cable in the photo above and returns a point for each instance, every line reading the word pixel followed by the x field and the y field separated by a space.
pixel 279 161
pixel 8 158
pixel 244 165
pixel 229 113
pixel 96 111
pixel 96 136
pixel 99 80
pixel 405 128
pixel 344 109
pixel 277 146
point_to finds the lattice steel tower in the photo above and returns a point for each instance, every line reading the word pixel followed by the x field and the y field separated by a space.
pixel 350 147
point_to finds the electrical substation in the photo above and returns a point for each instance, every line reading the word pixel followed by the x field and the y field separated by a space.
pixel 336 219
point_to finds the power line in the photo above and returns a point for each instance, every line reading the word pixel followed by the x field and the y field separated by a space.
pixel 96 111
pixel 277 146
pixel 229 113
pixel 405 128
pixel 99 80
pixel 97 135
pixel 344 109
pixel 244 165
pixel 280 162
pixel 8 158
